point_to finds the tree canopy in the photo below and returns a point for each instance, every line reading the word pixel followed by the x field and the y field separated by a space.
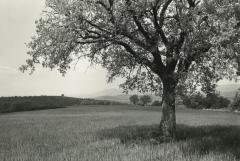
pixel 139 39
pixel 174 44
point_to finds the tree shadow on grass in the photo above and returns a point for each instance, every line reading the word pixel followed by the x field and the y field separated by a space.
pixel 191 139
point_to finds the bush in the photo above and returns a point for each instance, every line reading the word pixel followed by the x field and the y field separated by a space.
pixel 145 99
pixel 194 101
pixel 157 103
pixel 134 99
pixel 26 105
pixel 210 101
pixel 215 101
pixel 22 106
pixel 236 102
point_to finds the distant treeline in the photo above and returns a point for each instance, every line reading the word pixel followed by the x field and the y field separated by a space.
pixel 30 103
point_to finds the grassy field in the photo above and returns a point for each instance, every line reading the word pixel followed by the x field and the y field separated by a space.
pixel 117 133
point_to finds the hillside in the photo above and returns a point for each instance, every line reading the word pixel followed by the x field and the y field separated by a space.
pixel 16 104
pixel 119 98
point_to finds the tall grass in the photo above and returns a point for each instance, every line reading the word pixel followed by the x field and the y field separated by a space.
pixel 117 133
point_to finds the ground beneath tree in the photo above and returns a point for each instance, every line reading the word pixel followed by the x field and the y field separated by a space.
pixel 116 133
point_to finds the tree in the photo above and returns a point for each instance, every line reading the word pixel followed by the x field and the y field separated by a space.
pixel 235 105
pixel 156 45
pixel 145 99
pixel 210 101
pixel 134 99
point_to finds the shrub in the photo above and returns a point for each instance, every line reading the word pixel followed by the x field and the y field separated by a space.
pixel 157 103
pixel 210 101
pixel 194 101
pixel 145 99
pixel 236 102
pixel 215 101
pixel 5 107
pixel 134 99
pixel 22 106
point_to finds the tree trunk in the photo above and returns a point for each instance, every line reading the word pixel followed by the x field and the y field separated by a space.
pixel 168 119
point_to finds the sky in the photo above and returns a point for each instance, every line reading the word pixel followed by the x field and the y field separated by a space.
pixel 17 19
pixel 16 28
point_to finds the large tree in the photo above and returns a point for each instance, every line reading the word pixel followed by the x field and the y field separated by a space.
pixel 159 45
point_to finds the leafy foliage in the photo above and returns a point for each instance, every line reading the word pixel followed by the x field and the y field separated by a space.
pixel 146 42
pixel 210 101
pixel 236 102
pixel 145 100
pixel 134 99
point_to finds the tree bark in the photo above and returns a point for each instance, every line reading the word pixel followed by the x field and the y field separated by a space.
pixel 168 119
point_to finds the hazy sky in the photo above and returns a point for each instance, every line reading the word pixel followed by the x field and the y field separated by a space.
pixel 17 26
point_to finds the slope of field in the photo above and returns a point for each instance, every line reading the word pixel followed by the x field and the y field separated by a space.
pixel 117 133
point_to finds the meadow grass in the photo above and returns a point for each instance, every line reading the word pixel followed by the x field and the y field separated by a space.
pixel 117 133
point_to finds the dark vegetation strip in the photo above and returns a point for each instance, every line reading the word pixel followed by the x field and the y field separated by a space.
pixel 31 103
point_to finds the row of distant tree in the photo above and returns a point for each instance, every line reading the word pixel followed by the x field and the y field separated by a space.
pixel 212 100
pixel 207 101
pixel 143 100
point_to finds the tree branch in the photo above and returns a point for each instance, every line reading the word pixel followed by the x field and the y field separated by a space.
pixel 158 22
pixel 129 49
pixel 185 63
pixel 163 12
pixel 108 9
pixel 140 27
pixel 137 22
pixel 193 3
pixel 158 66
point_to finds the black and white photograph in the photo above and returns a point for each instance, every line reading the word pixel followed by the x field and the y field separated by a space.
pixel 119 80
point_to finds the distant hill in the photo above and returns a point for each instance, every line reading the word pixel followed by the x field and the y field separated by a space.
pixel 120 98
pixel 226 90
pixel 124 98
pixel 107 92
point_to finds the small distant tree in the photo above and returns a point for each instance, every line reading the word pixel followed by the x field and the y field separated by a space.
pixel 236 101
pixel 134 99
pixel 145 99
